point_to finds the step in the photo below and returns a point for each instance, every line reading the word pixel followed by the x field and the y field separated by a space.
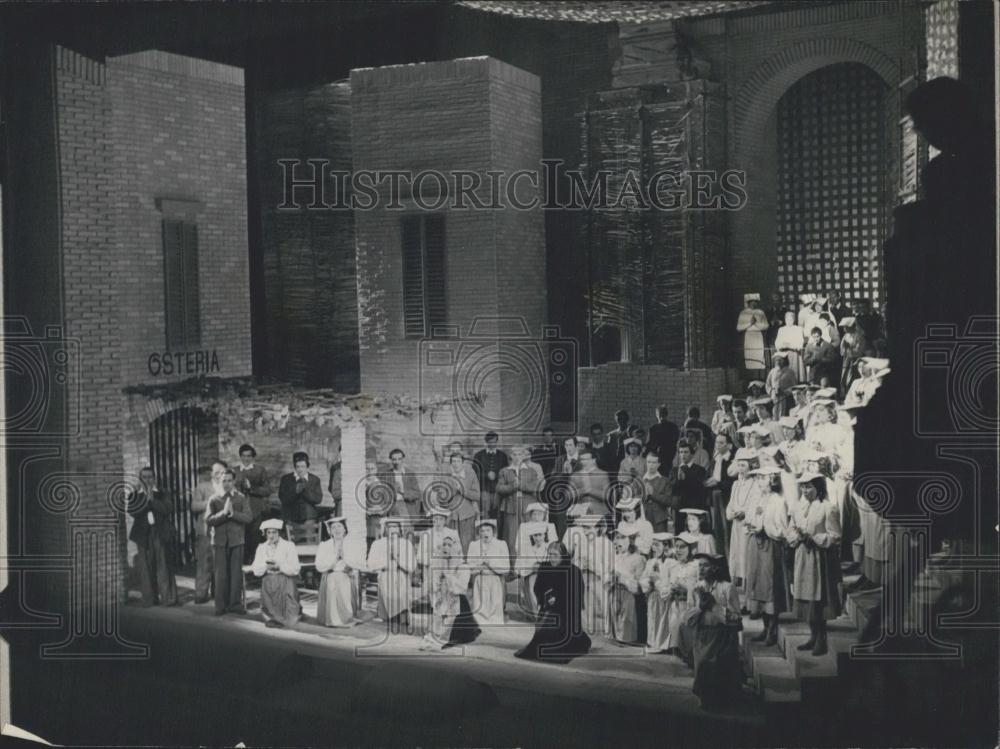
pixel 773 672
pixel 773 697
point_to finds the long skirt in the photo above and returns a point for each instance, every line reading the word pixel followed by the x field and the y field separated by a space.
pixel 527 600
pixel 489 594
pixel 338 594
pixel 553 641
pixel 394 595
pixel 767 588
pixel 657 622
pixel 720 526
pixel 718 675
pixel 738 553
pixel 753 350
pixel 817 578
pixel 595 605
pixel 279 599
pixel 624 624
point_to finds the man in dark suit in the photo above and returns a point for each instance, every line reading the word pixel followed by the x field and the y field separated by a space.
pixel 604 452
pixel 407 504
pixel 548 452
pixel 488 463
pixel 300 492
pixel 154 535
pixel 694 421
pixel 617 437
pixel 252 483
pixel 663 438
pixel 228 515
pixel 688 480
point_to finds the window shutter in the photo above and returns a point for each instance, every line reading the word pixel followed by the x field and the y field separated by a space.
pixel 434 270
pixel 173 278
pixel 413 277
pixel 192 297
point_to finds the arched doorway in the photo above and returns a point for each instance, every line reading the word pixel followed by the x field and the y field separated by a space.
pixel 179 442
pixel 831 184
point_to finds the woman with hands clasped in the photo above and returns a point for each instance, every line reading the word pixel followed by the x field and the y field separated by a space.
pixel 489 563
pixel 339 559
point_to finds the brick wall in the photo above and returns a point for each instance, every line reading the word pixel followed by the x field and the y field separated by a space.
pixel 310 331
pixel 639 389
pixel 446 116
pixel 177 125
pixel 758 57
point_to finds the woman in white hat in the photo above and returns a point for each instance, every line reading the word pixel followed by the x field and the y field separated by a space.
pixel 392 557
pixel 696 530
pixel 530 555
pixel 768 591
pixel 681 580
pixel 633 465
pixel 536 512
pixel 752 323
pixel 655 583
pixel 277 564
pixel 723 419
pixel 430 542
pixel 743 498
pixel 790 341
pixel 625 591
pixel 489 563
pixel 448 583
pixel 339 559
pixel 780 381
pixel 593 553
pixel 814 532
pixel 633 524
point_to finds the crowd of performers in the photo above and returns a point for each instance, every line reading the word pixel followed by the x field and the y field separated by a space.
pixel 663 538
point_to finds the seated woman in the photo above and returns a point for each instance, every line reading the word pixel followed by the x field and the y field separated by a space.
pixel 393 559
pixel 629 565
pixel 429 545
pixel 655 582
pixel 449 582
pixel 277 563
pixel 559 634
pixel 339 559
pixel 531 556
pixel 712 627
pixel 489 563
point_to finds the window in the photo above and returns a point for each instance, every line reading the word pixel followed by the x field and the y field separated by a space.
pixel 424 305
pixel 180 284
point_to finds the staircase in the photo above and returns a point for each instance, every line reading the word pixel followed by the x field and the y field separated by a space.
pixel 785 677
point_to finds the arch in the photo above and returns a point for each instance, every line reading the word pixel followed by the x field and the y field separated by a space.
pixel 759 95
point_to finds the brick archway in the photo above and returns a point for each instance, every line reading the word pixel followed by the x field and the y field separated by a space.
pixel 759 95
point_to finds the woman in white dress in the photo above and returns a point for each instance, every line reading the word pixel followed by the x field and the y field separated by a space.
pixel 489 563
pixel 752 323
pixel 790 341
pixel 593 553
pixel 633 524
pixel 277 564
pixel 531 555
pixel 742 500
pixel 449 582
pixel 681 580
pixel 392 557
pixel 536 512
pixel 629 566
pixel 655 583
pixel 339 559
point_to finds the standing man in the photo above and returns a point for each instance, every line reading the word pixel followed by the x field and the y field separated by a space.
pixel 604 453
pixel 462 500
pixel 154 535
pixel 252 483
pixel 617 437
pixel 590 485
pixel 517 487
pixel 228 515
pixel 688 479
pixel 656 495
pixel 820 358
pixel 488 462
pixel 694 421
pixel 300 492
pixel 547 453
pixel 407 487
pixel 663 437
pixel 209 485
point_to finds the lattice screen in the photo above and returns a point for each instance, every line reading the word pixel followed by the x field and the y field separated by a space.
pixel 831 169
